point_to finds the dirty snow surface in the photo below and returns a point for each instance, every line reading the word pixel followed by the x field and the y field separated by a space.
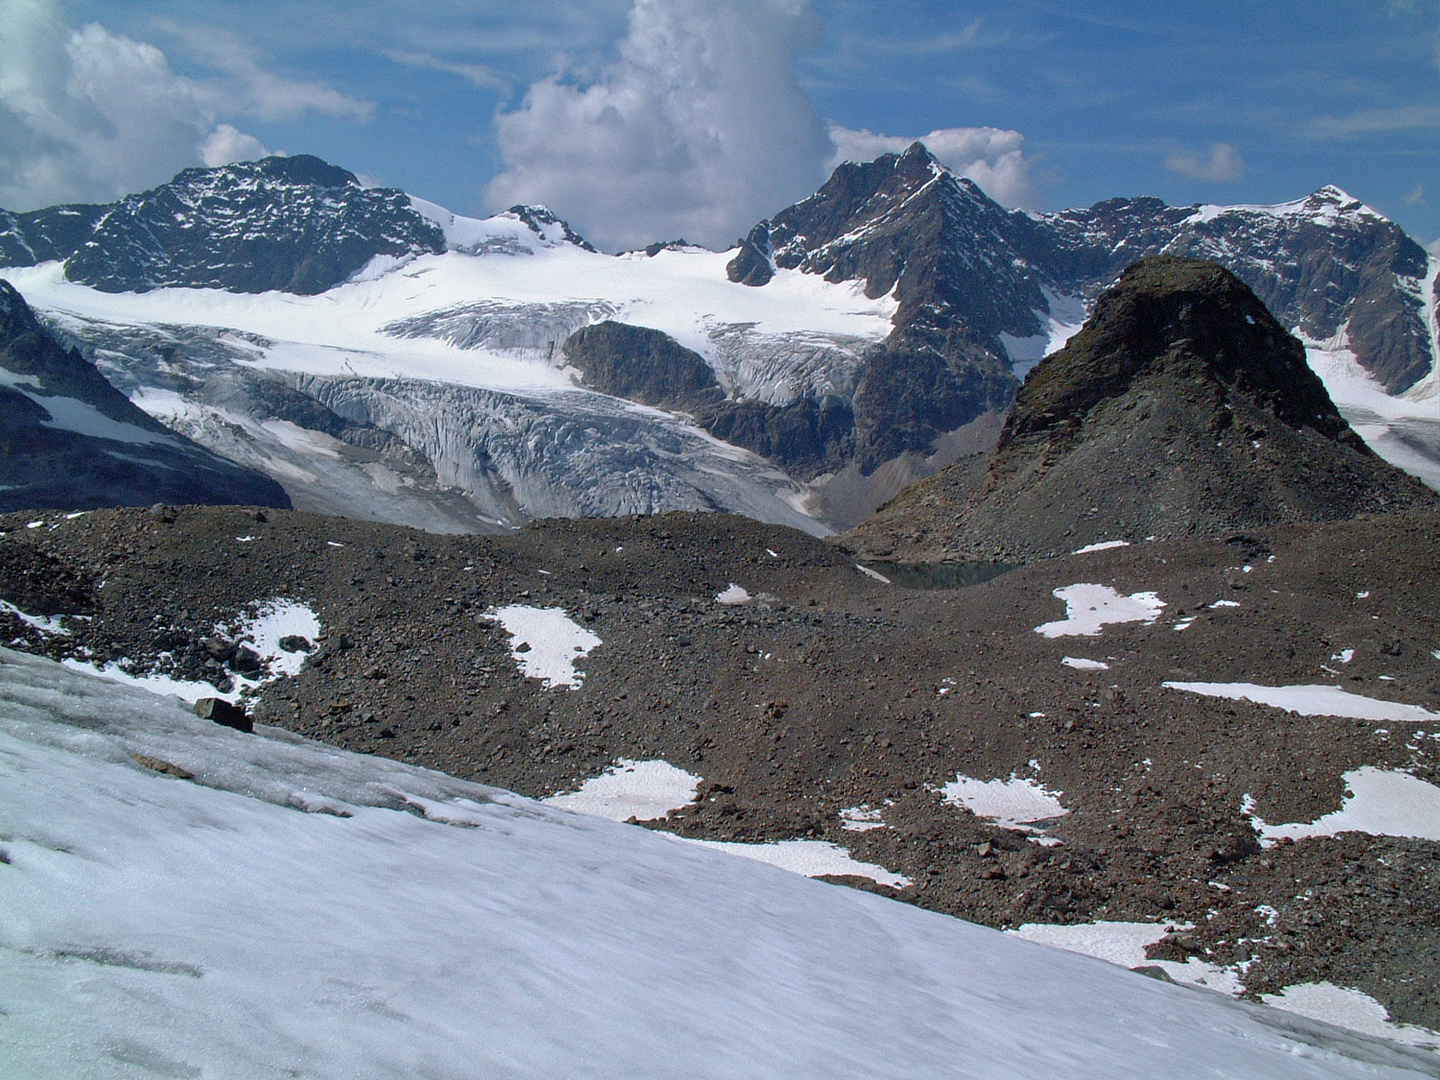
pixel 545 643
pixel 1090 608
pixel 281 915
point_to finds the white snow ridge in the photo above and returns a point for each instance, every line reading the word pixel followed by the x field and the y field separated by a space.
pixel 156 926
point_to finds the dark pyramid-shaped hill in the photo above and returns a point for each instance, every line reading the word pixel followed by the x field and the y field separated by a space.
pixel 1181 408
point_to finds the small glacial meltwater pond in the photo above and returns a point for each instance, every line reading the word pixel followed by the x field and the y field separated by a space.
pixel 939 575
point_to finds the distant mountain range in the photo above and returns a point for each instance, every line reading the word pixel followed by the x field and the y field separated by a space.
pixel 380 356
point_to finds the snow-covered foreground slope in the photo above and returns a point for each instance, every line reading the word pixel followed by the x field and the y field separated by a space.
pixel 278 915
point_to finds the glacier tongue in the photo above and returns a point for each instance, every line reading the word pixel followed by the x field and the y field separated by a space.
pixel 434 455
pixel 572 454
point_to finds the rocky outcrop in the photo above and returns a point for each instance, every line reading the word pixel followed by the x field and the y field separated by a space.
pixel 1183 407
pixel 69 440
pixel 547 226
pixel 296 224
pixel 643 365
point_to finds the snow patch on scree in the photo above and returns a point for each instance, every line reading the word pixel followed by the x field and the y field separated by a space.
pixel 1124 943
pixel 648 790
pixel 1104 545
pixel 1089 608
pixel 1312 701
pixel 1380 802
pixel 734 594
pixel 644 790
pixel 1079 663
pixel 1351 1009
pixel 813 858
pixel 1021 805
pixel 545 643
pixel 262 630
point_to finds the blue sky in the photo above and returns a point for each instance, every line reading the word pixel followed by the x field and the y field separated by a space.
pixel 652 119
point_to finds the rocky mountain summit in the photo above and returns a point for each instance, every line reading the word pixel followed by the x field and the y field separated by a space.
pixel 69 440
pixel 294 224
pixel 983 291
pixel 1181 408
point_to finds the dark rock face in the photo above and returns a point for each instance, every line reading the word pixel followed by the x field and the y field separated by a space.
pixel 755 262
pixel 295 224
pixel 69 440
pixel 809 436
pixel 643 365
pixel 1182 408
pixel 45 235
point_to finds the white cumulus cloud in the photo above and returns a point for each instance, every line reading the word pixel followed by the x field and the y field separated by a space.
pixel 698 129
pixel 992 157
pixel 1223 165
pixel 88 115
pixel 227 144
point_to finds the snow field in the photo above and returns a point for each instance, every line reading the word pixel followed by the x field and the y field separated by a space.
pixel 1312 700
pixel 545 643
pixel 153 926
pixel 1019 803
pixel 644 790
pixel 1090 608
pixel 1124 943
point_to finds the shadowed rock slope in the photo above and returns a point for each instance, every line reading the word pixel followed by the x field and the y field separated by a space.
pixel 71 441
pixel 1182 408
